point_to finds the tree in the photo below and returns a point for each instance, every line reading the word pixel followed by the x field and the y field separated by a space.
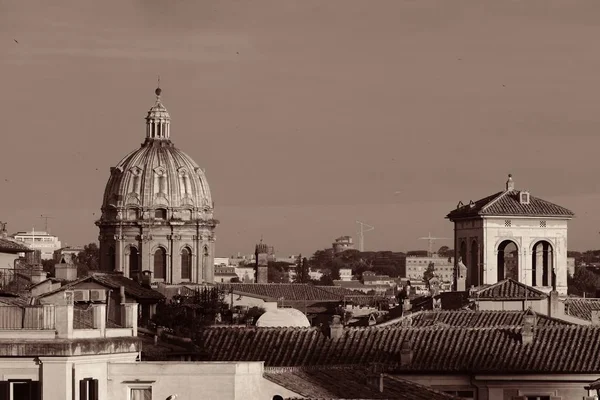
pixel 429 273
pixel 583 282
pixel 302 271
pixel 188 316
pixel 88 260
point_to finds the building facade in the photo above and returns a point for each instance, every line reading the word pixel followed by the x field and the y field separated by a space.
pixel 157 211
pixel 442 266
pixel 342 244
pixel 512 234
pixel 39 240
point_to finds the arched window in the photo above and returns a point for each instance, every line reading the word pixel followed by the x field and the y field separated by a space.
pixel 186 263
pixel 508 261
pixel 134 266
pixel 542 265
pixel 160 263
pixel 160 213
pixel 111 258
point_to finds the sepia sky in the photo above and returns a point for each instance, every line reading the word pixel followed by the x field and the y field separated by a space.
pixel 307 115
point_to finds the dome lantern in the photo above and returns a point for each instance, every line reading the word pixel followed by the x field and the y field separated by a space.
pixel 158 120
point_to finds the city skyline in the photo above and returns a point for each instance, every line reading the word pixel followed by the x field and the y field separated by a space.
pixel 293 129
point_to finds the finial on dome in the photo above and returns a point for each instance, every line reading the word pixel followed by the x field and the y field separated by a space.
pixel 510 184
pixel 158 90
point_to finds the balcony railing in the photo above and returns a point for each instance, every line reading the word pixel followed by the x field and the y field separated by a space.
pixel 27 317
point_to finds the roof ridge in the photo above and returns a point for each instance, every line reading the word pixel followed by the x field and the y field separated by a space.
pixel 491 203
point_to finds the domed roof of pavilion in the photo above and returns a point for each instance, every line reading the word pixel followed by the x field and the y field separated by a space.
pixel 157 174
pixel 283 317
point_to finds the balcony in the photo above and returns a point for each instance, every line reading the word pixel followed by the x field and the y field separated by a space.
pixel 66 321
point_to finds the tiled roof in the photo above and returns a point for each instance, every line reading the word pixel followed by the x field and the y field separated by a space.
pixel 508 289
pixel 114 281
pixel 470 319
pixel 12 246
pixel 287 291
pixel 348 383
pixel 555 349
pixel 354 296
pixel 506 203
pixel 12 300
pixel 581 307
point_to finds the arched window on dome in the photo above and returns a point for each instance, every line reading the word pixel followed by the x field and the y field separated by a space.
pixel 186 263
pixel 160 263
pixel 160 213
pixel 134 263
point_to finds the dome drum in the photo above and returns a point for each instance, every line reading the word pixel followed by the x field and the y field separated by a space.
pixel 157 202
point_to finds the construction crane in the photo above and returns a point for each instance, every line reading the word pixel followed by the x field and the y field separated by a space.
pixel 361 234
pixel 45 218
pixel 431 240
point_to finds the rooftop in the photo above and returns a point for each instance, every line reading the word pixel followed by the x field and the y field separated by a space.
pixel 439 349
pixel 507 203
pixel 508 289
pixel 581 307
pixel 13 247
pixel 339 382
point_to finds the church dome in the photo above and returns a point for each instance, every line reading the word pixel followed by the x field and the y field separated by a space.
pixel 157 176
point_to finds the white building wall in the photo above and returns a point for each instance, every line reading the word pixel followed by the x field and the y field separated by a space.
pixel 526 232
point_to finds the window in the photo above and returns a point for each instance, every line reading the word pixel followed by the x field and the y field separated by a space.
pixel 507 223
pixel 463 394
pixel 88 389
pixel 186 263
pixel 524 197
pixel 160 213
pixel 20 389
pixel 140 394
pixel 160 263
pixel 542 224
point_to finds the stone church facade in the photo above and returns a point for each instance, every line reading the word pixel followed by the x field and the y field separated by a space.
pixel 157 212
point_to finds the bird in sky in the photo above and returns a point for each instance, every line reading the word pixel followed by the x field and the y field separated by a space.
pixel 16 41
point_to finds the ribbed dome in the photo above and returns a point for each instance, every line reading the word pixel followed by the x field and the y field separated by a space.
pixel 157 175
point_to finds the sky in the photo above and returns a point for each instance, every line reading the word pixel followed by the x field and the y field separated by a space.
pixel 307 115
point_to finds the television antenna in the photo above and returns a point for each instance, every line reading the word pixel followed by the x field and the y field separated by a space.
pixel 46 218
pixel 364 228
pixel 431 240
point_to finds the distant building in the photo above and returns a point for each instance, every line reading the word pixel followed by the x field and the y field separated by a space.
pixel 39 240
pixel 343 243
pixel 442 266
pixel 370 278
pixel 345 274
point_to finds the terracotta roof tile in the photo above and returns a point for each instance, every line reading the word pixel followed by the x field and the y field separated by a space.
pixel 470 319
pixel 348 383
pixel 287 291
pixel 508 289
pixel 581 307
pixel 507 203
pixel 12 246
pixel 555 349
pixel 114 281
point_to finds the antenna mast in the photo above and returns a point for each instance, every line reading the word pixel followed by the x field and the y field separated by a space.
pixel 431 240
pixel 361 234
pixel 45 218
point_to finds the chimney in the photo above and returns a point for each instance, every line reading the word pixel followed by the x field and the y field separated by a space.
pixel 146 278
pixel 557 309
pixel 406 353
pixel 64 270
pixel 595 317
pixel 336 329
pixel 406 306
pixel 3 232
pixel 122 294
pixel 527 333
pixel 38 275
pixel 375 381
pixel 510 184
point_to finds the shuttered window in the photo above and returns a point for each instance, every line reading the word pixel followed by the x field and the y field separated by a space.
pixel 88 389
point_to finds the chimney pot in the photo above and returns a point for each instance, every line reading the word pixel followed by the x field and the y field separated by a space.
pixel 596 317
pixel 336 329
pixel 527 332
pixel 406 353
